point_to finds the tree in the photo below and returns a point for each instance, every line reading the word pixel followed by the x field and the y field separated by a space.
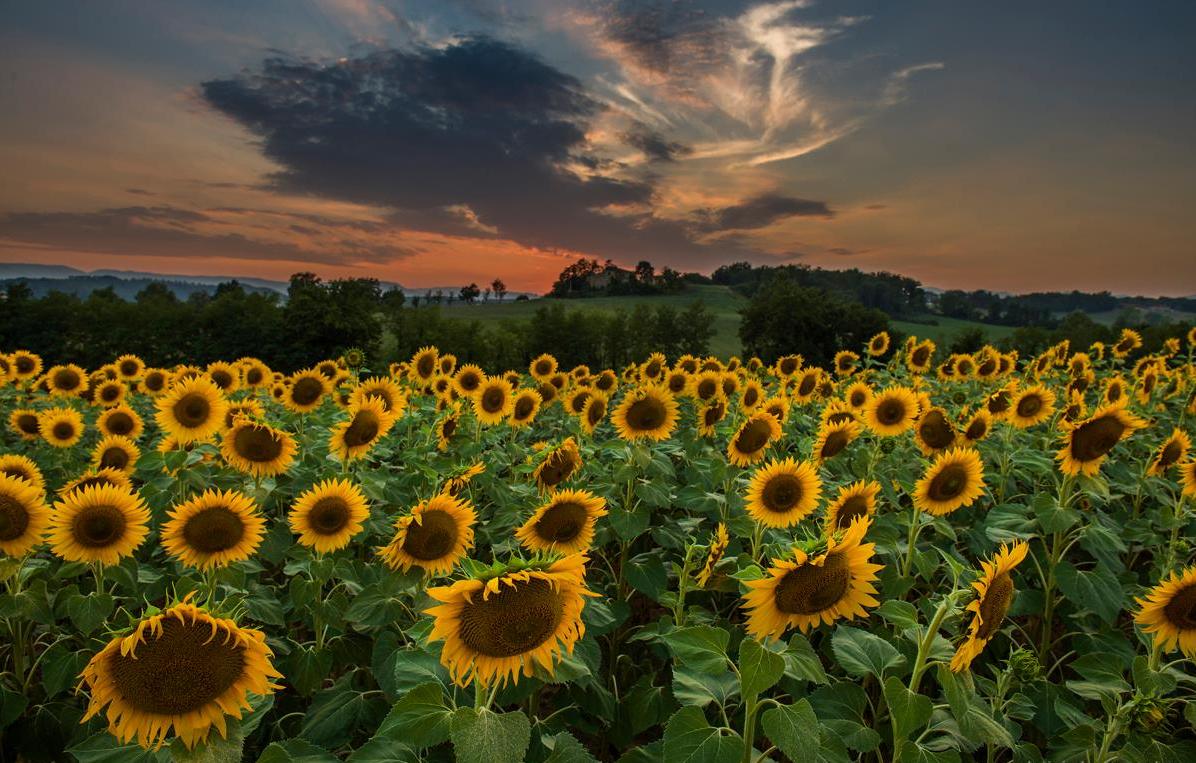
pixel 644 272
pixel 470 293
pixel 500 288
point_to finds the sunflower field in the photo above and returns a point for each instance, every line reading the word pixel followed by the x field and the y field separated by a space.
pixel 904 558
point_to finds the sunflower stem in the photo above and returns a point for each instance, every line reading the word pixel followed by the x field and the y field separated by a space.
pixel 927 642
pixel 915 527
pixel 682 585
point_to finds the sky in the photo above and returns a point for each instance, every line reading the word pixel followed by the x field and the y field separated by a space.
pixel 1013 146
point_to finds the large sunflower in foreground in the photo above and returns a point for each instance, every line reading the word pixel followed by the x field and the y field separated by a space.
pixel 994 594
pixel 853 502
pixel 891 411
pixel 257 449
pixel 192 410
pixel 116 452
pixel 783 493
pixel 61 427
pixel 498 627
pixel 1030 406
pixel 645 413
pixel 493 400
pixel 99 523
pixel 436 535
pixel 955 479
pixel 24 515
pixel 806 589
pixel 369 422
pixel 213 529
pixel 328 515
pixel 1169 612
pixel 748 444
pixel 1085 445
pixel 179 671
pixel 1173 450
pixel 564 524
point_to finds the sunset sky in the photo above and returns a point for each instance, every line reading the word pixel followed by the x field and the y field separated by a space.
pixel 1012 146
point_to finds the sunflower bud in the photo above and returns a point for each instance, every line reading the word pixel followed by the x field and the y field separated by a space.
pixel 1024 666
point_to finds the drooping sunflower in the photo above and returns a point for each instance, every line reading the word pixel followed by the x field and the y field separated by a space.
pixel 25 365
pixel 24 515
pixel 328 515
pixel 755 434
pixel 564 523
pixel 1187 476
pixel 214 529
pixel 434 537
pixel 26 422
pixel 1173 450
pixel 846 362
pixel 306 391
pixel 833 438
pixel 978 426
pixel 369 422
pixel 783 493
pixel 955 479
pixel 22 467
pixel 710 414
pixel 423 365
pixel 257 449
pixel 67 380
pixel 1030 406
pixel 714 554
pixel 645 413
pixel 192 410
pixel 806 589
pixel 1169 612
pixel 116 452
pixel 558 465
pixel 498 627
pixel 446 428
pixel 1129 341
pixel 98 523
pixel 61 427
pixel 180 670
pixel 879 344
pixel 933 432
pixel 891 411
pixel 384 389
pixel 593 414
pixel 1085 445
pixel 853 502
pixel 994 594
pixel 920 357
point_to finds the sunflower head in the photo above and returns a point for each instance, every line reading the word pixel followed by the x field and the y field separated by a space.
pixel 593 413
pixel 424 364
pixel 257 449
pixel 891 411
pixel 22 467
pixel 714 554
pixel 995 591
pixel 67 380
pixel 98 523
pixel 493 400
pixel 434 537
pixel 468 378
pixel 783 493
pixel 446 428
pixel 116 452
pixel 25 365
pixel 1085 445
pixel 954 479
pixel 564 523
pixel 1173 450
pixel 192 410
pixel 213 529
pixel 978 426
pixel 854 502
pixel 525 406
pixel 384 389
pixel 327 516
pixel 61 427
pixel 369 422
pixel 306 391
pixel 833 438
pixel 933 431
pixel 879 344
pixel 1030 406
pixel 558 465
pixel 1169 612
pixel 26 422
pixel 710 414
pixel 646 413
pixel 24 515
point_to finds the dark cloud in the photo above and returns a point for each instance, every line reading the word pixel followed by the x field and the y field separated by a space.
pixel 760 212
pixel 139 192
pixel 655 146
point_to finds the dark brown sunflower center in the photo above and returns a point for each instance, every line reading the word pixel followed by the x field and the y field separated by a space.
pixel 807 384
pixel 857 399
pixel 493 399
pixel 223 379
pixel 329 515
pixel 890 411
pixel 949 483
pixel 1114 393
pixel 782 493
pixel 921 356
pixel 753 437
pixel 257 444
pixel 432 537
pixel 154 382
pixel 562 522
pixel 788 366
pixel 556 468
pixel 994 605
pixel 855 506
pixel 109 393
pixel 1181 610
pixel 98 526
pixel 935 431
pixel 14 518
pixel 119 423
pixel 1029 406
pixel 514 621
pixel 448 427
pixel 362 430
pixel 27 423
pixel 976 429
pixel 838 417
pixel 750 397
pixel 183 670
pixel 713 414
pixel 114 458
pixel 999 402
pixel 543 367
pixel 1170 454
pixel 987 368
pixel 66 379
pixel 1093 439
pixel 24 364
pixel 646 415
pixel 425 366
pixel 835 442
pixel 214 529
pixel 677 383
pixel 652 370
pixel 192 410
pixel 469 382
pixel 812 588
pixel 253 376
pixel 524 407
pixel 307 391
pixel 63 430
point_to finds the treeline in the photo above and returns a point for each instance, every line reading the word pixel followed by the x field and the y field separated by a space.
pixel 589 278
pixel 891 293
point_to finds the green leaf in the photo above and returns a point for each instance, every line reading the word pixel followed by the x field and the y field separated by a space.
pixel 691 687
pixel 105 748
pixel 759 668
pixel 916 753
pixel 1152 683
pixel 688 738
pixel 900 613
pixel 629 525
pixel 910 711
pixel 12 705
pixel 296 751
pixel 420 719
pixel 791 728
pixel 308 669
pixel 1052 517
pixel 90 611
pixel 700 647
pixel 1096 590
pixel 487 737
pixel 335 714
pixel 862 653
pixel 646 573
pixel 566 749
pixel 802 662
pixel 384 751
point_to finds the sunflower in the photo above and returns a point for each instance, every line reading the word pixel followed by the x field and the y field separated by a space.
pixel 653 368
pixel 192 410
pixel 920 356
pixel 1187 476
pixel 748 444
pixel 1000 402
pixel 846 362
pixel 120 421
pixel 255 373
pixel 108 394
pixel 22 467
pixel 1085 445
pixel 646 412
pixel 455 485
pixel 26 422
pixel 933 431
pixel 606 382
pixel 687 363
pixel 116 452
pixel 558 465
pixel 709 415
pixel 154 382
pixel 714 554
pixel 98 523
pixel 446 428
pixel 468 378
pixel 182 670
pixel 1031 406
pixel 434 537
pixel 978 426
pixel 423 365
pixel 858 395
pixel 1169 612
pixel 213 529
pixel 806 589
pixel 564 524
pixel 493 400
pixel 257 449
pixel 1173 450
pixel 783 493
pixel 891 411
pixel 751 397
pixel 1076 408
pixel 787 365
pixel 1129 341
pixel 994 594
pixel 833 438
pixel 705 386
pixel 306 391
pixel 853 502
pixel 369 422
pixel 543 367
pixel 67 380
pixel 879 344
pixel 107 477
pixel 593 414
pixel 498 627
pixel 328 515
pixel 24 515
pixel 384 389
pixel 955 479
pixel 575 401
pixel 61 427
pixel 25 365
pixel 779 406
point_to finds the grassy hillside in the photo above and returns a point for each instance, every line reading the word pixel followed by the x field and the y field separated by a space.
pixel 943 330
